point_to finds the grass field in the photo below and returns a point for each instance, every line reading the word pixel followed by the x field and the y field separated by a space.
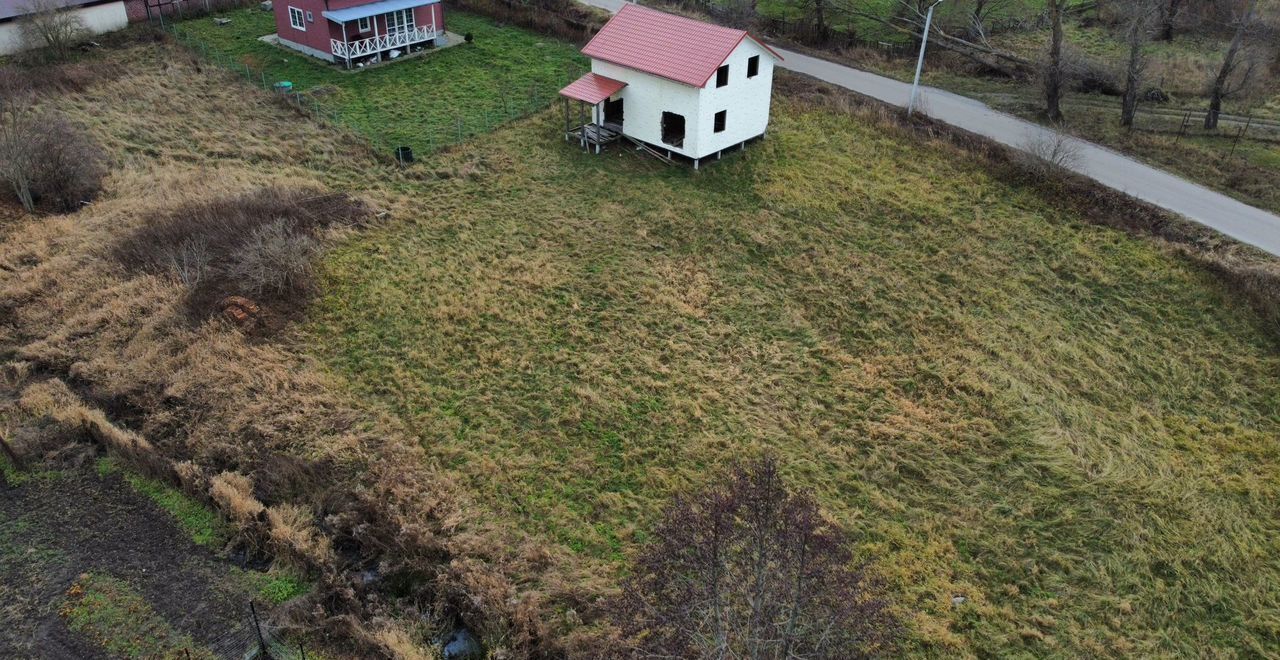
pixel 431 100
pixel 1066 426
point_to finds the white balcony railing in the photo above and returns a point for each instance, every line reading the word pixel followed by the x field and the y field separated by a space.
pixel 373 45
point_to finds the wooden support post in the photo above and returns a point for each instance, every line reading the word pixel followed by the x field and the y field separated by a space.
pixel 346 47
pixel 695 163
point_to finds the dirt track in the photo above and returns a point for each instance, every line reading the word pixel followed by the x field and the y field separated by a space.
pixel 54 529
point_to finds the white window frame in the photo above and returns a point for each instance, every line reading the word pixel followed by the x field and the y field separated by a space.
pixel 311 18
pixel 297 20
pixel 363 24
pixel 400 20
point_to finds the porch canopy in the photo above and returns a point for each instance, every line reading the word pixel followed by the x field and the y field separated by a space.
pixel 592 88
pixel 373 9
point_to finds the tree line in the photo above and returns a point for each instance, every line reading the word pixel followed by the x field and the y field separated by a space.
pixel 965 27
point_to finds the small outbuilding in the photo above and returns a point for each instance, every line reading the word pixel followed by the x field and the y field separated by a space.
pixel 677 85
pixel 358 31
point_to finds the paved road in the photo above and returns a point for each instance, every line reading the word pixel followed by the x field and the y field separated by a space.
pixel 1110 168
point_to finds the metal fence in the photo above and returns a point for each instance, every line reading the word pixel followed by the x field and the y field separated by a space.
pixel 428 137
pixel 254 637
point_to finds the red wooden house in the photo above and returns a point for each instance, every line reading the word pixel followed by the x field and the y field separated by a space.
pixel 353 31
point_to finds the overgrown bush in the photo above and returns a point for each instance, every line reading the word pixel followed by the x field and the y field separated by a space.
pixel 50 31
pixel 1090 76
pixel 1048 158
pixel 751 569
pixel 258 245
pixel 45 160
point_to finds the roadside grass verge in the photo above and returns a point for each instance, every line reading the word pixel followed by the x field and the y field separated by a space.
pixel 201 523
pixel 1002 402
pixel 435 99
pixel 116 617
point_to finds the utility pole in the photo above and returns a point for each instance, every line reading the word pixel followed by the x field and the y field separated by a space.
pixel 924 42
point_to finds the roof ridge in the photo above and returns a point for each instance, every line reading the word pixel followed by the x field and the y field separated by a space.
pixel 667 45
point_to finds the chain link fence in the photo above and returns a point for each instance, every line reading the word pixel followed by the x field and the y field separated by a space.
pixel 429 136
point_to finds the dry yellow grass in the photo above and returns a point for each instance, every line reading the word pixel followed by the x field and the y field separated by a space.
pixel 202 396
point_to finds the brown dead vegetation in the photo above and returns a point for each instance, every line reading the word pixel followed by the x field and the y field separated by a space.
pixel 248 426
pixel 236 252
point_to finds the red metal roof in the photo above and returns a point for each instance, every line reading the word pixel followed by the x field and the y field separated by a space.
pixel 666 45
pixel 592 88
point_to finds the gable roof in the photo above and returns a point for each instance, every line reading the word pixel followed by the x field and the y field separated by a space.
pixel 666 45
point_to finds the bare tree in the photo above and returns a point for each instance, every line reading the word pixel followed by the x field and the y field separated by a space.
pixel 19 145
pixel 979 13
pixel 1222 85
pixel 1053 74
pixel 50 28
pixel 909 21
pixel 751 570
pixel 1168 16
pixel 45 159
pixel 1138 18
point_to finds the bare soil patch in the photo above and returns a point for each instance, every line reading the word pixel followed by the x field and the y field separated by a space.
pixel 57 526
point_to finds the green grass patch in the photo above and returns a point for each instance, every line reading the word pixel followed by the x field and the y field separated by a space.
pixel 424 102
pixel 10 473
pixel 114 615
pixel 1070 427
pixel 14 477
pixel 201 523
pixel 277 585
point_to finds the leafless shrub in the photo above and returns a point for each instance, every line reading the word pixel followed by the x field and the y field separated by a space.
pixel 50 32
pixel 751 570
pixel 70 166
pixel 46 160
pixel 1048 156
pixel 259 244
pixel 274 260
pixel 1089 75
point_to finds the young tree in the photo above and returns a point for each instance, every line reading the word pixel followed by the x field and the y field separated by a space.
pixel 1222 85
pixel 19 146
pixel 1053 74
pixel 979 13
pixel 45 159
pixel 751 570
pixel 1138 18
pixel 51 29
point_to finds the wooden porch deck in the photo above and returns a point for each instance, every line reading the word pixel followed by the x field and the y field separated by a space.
pixel 589 135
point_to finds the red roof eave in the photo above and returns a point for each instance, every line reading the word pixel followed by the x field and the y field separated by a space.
pixel 592 88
